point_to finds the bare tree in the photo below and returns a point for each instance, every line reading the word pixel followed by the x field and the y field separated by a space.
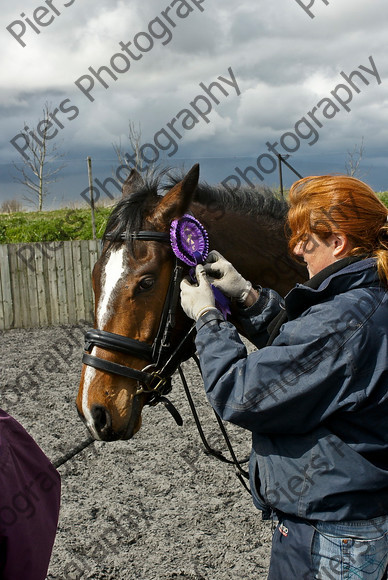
pixel 42 162
pixel 132 159
pixel 354 158
pixel 11 206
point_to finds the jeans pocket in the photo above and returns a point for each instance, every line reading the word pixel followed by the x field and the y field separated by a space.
pixel 344 557
pixel 364 558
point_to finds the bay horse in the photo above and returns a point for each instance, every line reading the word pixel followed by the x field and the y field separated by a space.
pixel 139 323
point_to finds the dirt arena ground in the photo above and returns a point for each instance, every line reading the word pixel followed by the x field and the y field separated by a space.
pixel 153 508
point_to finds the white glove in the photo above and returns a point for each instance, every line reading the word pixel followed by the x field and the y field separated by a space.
pixel 197 299
pixel 224 276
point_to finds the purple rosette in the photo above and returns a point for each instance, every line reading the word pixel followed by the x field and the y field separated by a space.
pixel 189 240
pixel 190 244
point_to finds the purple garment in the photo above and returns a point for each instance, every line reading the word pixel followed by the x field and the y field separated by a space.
pixel 29 504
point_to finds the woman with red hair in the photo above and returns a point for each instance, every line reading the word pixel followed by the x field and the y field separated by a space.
pixel 315 393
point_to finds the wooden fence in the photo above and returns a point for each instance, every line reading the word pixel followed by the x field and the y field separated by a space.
pixel 46 283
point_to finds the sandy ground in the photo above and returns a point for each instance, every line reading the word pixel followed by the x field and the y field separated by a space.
pixel 155 507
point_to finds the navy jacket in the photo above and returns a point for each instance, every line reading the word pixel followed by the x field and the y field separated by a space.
pixel 316 400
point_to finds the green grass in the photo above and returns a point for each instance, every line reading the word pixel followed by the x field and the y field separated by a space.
pixel 383 195
pixel 50 226
pixel 62 224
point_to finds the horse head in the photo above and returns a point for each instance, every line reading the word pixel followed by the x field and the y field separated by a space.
pixel 135 283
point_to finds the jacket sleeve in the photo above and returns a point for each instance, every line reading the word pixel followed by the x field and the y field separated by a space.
pixel 29 504
pixel 288 387
pixel 253 321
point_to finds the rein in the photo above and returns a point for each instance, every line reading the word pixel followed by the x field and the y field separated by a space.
pixel 156 383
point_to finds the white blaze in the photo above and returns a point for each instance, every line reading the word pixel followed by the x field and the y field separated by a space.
pixel 114 269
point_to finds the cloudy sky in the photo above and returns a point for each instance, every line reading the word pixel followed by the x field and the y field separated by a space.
pixel 278 67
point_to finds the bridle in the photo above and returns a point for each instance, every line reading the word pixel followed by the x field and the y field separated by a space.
pixel 155 384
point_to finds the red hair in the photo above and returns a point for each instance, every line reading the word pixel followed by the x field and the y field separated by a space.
pixel 329 204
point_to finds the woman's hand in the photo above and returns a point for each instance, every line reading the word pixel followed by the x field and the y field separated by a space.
pixel 197 299
pixel 223 275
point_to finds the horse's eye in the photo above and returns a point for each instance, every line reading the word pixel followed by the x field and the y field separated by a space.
pixel 146 284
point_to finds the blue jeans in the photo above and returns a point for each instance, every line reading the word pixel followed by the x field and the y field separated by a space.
pixel 355 550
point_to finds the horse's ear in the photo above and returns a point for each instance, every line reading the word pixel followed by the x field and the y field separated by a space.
pixel 132 183
pixel 177 201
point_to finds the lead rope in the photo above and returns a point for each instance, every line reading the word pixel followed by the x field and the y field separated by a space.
pixel 65 458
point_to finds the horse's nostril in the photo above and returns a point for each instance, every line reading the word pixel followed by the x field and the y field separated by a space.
pixel 101 419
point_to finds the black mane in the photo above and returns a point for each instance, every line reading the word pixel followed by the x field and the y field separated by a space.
pixel 260 200
pixel 128 215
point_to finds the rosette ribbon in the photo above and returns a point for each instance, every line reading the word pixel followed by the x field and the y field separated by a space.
pixel 190 244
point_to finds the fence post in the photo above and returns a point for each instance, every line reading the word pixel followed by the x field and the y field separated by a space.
pixel 89 160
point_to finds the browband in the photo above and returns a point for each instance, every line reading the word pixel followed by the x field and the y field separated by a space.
pixel 143 235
